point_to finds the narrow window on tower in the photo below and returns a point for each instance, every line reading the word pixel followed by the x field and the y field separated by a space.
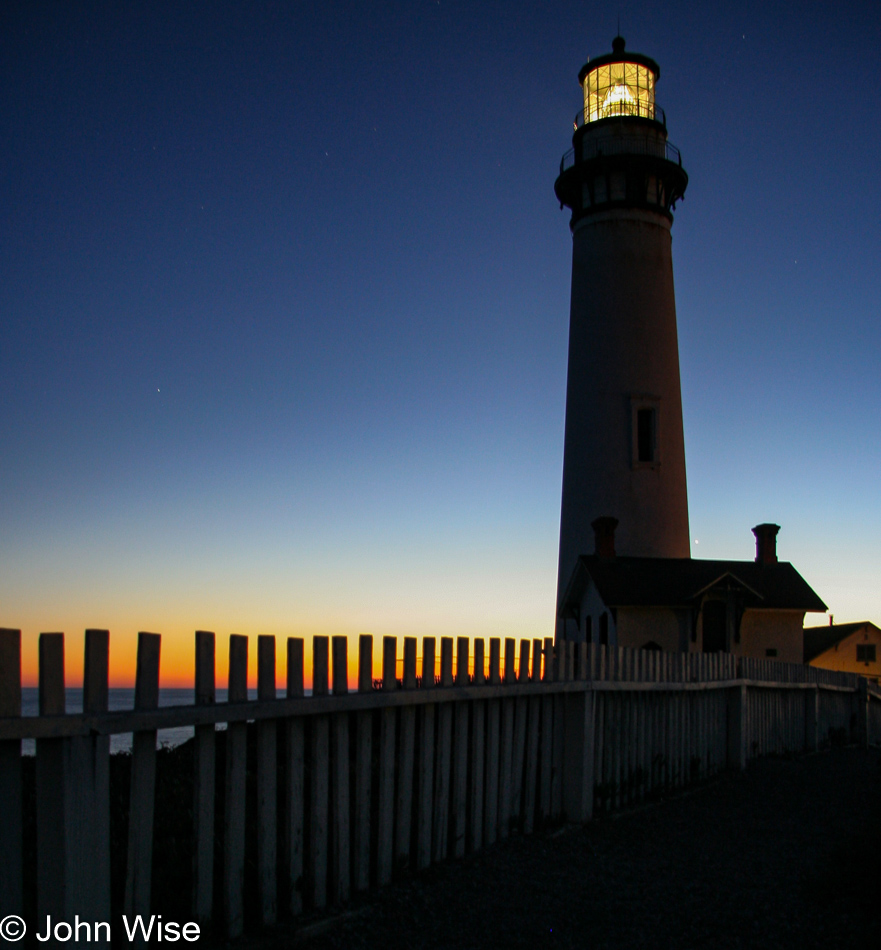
pixel 644 421
pixel 645 434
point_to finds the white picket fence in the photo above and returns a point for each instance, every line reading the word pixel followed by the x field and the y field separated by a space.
pixel 421 763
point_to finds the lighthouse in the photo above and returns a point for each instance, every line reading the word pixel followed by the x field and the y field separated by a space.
pixel 624 452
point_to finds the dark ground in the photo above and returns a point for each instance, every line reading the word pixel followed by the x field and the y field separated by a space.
pixel 787 854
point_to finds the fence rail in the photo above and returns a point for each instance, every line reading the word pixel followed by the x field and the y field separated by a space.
pixel 351 785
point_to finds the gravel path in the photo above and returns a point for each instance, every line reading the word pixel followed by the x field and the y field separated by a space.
pixel 787 854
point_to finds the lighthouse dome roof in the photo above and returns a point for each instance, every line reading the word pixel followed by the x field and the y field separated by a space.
pixel 618 55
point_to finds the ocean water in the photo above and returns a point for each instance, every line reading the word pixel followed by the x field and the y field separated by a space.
pixel 119 699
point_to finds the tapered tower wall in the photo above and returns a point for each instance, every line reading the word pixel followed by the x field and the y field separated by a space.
pixel 623 355
pixel 624 454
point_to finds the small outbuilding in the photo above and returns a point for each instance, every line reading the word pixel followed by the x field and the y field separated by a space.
pixel 849 647
pixel 749 608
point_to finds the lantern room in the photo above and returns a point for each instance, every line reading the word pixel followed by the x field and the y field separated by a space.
pixel 619 84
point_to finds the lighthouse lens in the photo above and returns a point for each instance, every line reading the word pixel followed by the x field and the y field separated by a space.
pixel 620 101
pixel 619 89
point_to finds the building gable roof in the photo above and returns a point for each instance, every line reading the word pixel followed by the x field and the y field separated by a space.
pixel 681 582
pixel 820 639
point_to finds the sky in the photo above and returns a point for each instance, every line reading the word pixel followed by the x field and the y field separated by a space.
pixel 284 298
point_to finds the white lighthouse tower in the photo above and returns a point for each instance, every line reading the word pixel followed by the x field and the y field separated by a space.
pixel 624 455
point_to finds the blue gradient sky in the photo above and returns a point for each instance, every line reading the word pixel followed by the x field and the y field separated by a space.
pixel 284 297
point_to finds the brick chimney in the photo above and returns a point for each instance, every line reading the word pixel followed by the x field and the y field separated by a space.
pixel 766 543
pixel 604 536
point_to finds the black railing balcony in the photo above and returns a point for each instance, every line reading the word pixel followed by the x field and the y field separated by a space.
pixel 629 145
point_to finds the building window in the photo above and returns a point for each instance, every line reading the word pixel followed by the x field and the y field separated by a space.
pixel 588 632
pixel 604 629
pixel 865 653
pixel 646 441
pixel 771 651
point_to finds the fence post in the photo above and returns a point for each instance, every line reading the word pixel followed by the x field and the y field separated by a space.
pixel 546 742
pixel 530 789
pixel 234 812
pixel 404 805
pixel 493 720
pixel 319 785
pixel 582 660
pixel 578 756
pixel 440 831
pixel 862 720
pixel 90 773
pixel 812 719
pixel 478 718
pixel 52 849
pixel 507 742
pixel 143 784
pixel 10 774
pixel 558 671
pixel 204 777
pixel 294 775
pixel 518 756
pixel 460 752
pixel 738 727
pixel 363 767
pixel 874 717
pixel 386 812
pixel 425 767
pixel 340 868
pixel 267 786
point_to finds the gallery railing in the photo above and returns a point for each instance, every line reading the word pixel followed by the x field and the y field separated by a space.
pixel 590 148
